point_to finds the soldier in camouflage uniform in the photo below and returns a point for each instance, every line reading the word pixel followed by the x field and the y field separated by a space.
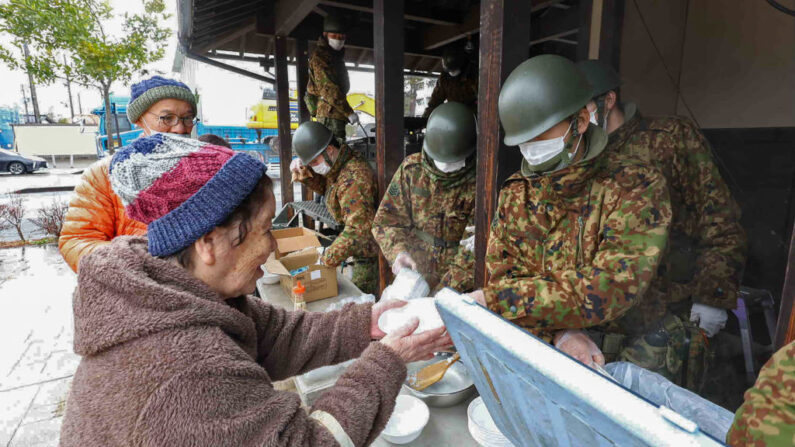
pixel 577 235
pixel 458 82
pixel 767 417
pixel 348 182
pixel 328 85
pixel 700 275
pixel 431 201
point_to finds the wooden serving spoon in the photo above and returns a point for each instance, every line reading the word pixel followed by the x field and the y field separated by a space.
pixel 432 373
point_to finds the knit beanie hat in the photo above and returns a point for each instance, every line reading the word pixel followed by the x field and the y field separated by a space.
pixel 181 188
pixel 149 91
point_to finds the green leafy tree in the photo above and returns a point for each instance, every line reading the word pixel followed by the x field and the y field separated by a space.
pixel 77 29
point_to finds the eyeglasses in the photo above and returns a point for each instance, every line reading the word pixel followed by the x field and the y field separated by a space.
pixel 172 120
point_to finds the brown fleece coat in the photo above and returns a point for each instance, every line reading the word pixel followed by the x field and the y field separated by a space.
pixel 167 362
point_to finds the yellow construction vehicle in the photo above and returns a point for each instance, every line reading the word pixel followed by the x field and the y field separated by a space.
pixel 263 114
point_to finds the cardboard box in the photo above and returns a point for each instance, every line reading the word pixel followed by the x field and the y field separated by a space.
pixel 297 248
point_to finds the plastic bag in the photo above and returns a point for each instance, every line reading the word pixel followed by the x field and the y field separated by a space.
pixel 711 419
pixel 361 299
pixel 407 285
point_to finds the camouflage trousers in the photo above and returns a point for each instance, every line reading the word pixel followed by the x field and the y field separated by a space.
pixel 365 275
pixel 676 349
pixel 337 127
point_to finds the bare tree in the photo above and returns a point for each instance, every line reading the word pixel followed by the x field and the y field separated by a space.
pixel 50 219
pixel 13 214
pixel 4 225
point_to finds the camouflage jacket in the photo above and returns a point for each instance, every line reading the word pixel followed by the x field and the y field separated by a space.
pixel 422 204
pixel 351 192
pixel 579 247
pixel 767 417
pixel 328 80
pixel 707 244
pixel 462 88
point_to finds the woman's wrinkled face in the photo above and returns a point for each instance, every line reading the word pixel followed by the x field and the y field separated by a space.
pixel 240 266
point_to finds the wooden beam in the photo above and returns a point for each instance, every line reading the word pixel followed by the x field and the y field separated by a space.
pixel 283 118
pixel 388 38
pixel 785 329
pixel 557 37
pixel 439 36
pixel 411 17
pixel 436 37
pixel 249 26
pixel 289 13
pixel 504 40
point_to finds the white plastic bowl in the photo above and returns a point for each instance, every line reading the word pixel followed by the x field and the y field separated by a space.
pixel 408 419
pixel 268 277
pixel 482 426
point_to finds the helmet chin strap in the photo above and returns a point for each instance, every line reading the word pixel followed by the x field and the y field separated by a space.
pixel 328 159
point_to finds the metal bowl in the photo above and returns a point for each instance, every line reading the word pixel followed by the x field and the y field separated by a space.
pixel 455 387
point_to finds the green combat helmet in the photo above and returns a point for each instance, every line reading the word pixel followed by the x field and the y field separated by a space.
pixel 310 140
pixel 333 24
pixel 539 93
pixel 451 134
pixel 601 76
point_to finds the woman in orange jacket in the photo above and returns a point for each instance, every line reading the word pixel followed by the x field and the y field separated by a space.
pixel 96 214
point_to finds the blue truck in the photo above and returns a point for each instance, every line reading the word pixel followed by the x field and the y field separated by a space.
pixel 241 138
pixel 7 118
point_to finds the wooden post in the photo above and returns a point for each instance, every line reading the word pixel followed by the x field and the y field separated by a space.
pixel 612 24
pixel 599 37
pixel 785 329
pixel 283 117
pixel 504 42
pixel 388 39
pixel 302 77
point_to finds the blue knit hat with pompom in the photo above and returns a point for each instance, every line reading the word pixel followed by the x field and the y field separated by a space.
pixel 149 91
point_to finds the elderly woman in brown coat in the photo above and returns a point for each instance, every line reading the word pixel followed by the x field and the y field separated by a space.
pixel 174 350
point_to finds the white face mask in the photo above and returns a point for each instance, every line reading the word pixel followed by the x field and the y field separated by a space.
pixel 336 43
pixel 323 168
pixel 449 167
pixel 593 118
pixel 454 73
pixel 538 152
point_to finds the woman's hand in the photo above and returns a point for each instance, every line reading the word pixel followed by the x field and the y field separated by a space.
pixel 413 348
pixel 378 309
pixel 580 346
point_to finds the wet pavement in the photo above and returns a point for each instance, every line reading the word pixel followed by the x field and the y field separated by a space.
pixel 36 362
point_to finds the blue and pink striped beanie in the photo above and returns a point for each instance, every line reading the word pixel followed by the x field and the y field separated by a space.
pixel 181 188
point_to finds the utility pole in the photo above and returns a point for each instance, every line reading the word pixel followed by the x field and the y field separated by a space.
pixel 33 97
pixel 79 104
pixel 69 91
pixel 25 101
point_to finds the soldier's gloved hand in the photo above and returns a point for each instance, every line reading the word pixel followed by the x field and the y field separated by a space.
pixel 468 244
pixel 296 164
pixel 580 346
pixel 403 260
pixel 710 319
pixel 299 171
pixel 479 297
pixel 353 118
